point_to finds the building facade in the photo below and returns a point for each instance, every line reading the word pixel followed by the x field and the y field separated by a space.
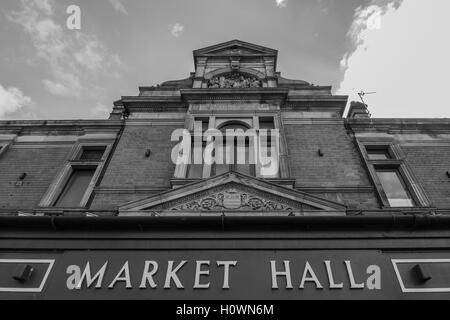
pixel 346 207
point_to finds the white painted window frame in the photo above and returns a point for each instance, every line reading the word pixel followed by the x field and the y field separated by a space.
pixel 251 119
pixel 3 147
pixel 396 162
pixel 60 181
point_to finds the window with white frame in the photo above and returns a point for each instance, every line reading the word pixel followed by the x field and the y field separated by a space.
pixel 3 147
pixel 74 185
pixel 252 149
pixel 393 180
pixel 237 152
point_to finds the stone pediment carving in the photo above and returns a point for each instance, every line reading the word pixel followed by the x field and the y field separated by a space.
pixel 231 192
pixel 234 80
pixel 231 197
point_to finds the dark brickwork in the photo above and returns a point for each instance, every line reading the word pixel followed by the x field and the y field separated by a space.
pixel 340 165
pixel 129 167
pixel 111 201
pixel 430 165
pixel 354 200
pixel 40 165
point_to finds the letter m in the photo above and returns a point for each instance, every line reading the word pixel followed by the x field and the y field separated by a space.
pixel 88 276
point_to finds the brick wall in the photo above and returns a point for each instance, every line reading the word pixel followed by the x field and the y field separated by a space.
pixel 111 201
pixel 430 164
pixel 340 166
pixel 41 166
pixel 130 168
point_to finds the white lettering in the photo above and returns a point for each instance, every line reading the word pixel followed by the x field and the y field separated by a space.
pixel 331 278
pixel 199 273
pixel 74 278
pixel 172 275
pixel 226 272
pixel 125 277
pixel 181 152
pixel 353 284
pixel 147 276
pixel 286 273
pixel 311 278
pixel 89 279
pixel 374 281
pixel 74 20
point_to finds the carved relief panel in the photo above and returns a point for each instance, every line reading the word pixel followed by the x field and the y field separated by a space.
pixel 231 198
pixel 234 80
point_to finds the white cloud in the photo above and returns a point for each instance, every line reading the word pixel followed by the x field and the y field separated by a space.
pixel 73 57
pixel 91 55
pixel 100 111
pixel 61 88
pixel 281 3
pixel 176 30
pixel 118 6
pixel 45 6
pixel 11 100
pixel 401 55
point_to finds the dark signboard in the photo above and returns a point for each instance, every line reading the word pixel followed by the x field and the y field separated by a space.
pixel 224 274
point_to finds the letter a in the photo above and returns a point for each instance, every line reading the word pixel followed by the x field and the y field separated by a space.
pixel 374 281
pixel 74 20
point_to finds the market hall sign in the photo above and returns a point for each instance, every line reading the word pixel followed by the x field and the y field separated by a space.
pixel 225 274
pixel 222 274
pixel 83 276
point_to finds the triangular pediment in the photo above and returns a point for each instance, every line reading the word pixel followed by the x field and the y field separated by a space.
pixel 235 48
pixel 232 192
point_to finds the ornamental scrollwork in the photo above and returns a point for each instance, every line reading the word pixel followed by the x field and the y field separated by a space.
pixel 234 80
pixel 232 200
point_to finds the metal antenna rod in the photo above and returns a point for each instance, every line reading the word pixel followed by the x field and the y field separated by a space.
pixel 361 95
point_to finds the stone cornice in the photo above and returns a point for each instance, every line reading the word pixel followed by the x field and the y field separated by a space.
pixel 160 98
pixel 400 125
pixel 35 126
pixel 262 95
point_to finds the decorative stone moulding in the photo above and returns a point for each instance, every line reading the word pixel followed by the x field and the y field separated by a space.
pixel 231 197
pixel 233 80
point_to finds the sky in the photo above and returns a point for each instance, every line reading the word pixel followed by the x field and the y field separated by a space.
pixel 398 49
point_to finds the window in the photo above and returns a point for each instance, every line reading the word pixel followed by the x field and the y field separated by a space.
pixel 378 153
pixel 76 187
pixel 92 153
pixel 392 178
pixel 394 188
pixel 205 123
pixel 195 170
pixel 73 186
pixel 250 153
pixel 234 158
pixel 266 123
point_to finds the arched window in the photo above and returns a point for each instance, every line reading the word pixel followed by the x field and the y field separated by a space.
pixel 234 145
pixel 237 150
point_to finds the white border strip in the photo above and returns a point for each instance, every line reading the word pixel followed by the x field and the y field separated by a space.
pixel 417 290
pixel 50 263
